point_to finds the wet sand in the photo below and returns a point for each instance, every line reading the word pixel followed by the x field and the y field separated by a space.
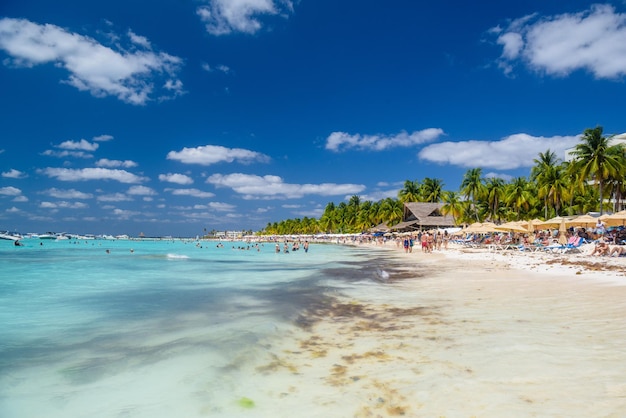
pixel 460 333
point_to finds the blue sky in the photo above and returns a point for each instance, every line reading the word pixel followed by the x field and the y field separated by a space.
pixel 173 116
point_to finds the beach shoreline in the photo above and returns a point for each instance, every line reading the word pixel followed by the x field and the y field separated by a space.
pixel 462 333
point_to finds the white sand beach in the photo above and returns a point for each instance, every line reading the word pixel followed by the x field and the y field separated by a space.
pixel 461 333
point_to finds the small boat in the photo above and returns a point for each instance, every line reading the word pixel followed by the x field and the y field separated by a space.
pixel 48 235
pixel 9 236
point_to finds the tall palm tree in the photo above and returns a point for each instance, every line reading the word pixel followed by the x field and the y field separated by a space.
pixel 431 190
pixel 328 222
pixel 518 195
pixel 363 218
pixel 554 187
pixel 540 172
pixel 472 187
pixel 494 193
pixel 392 211
pixel 597 160
pixel 545 160
pixel 410 192
pixel 452 205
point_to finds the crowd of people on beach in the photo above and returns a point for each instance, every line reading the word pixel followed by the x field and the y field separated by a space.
pixel 429 241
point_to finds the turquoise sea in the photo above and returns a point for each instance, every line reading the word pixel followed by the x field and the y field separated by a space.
pixel 138 329
pixel 125 328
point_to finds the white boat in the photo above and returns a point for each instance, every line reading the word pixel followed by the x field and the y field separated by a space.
pixel 9 236
pixel 47 235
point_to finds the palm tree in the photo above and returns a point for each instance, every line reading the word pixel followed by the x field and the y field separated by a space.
pixel 554 187
pixel 392 211
pixel 410 192
pixel 431 190
pixel 328 221
pixel 472 187
pixel 546 159
pixel 597 160
pixel 494 191
pixel 518 195
pixel 540 172
pixel 452 205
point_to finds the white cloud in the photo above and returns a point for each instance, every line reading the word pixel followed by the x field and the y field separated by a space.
pixel 114 197
pixel 14 174
pixel 593 40
pixel 81 145
pixel 139 40
pixel 10 191
pixel 67 194
pixel 377 195
pixel 221 207
pixel 141 191
pixel 221 68
pixel 340 141
pixel 176 178
pixel 63 154
pixel 125 214
pixel 509 153
pixel 102 138
pixel 190 192
pixel 505 177
pixel 222 17
pixel 68 174
pixel 13 210
pixel 63 205
pixel 20 199
pixel 93 67
pixel 211 154
pixel 273 187
pixel 104 162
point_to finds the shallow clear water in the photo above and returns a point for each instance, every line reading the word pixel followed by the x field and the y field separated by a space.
pixel 142 329
pixel 172 329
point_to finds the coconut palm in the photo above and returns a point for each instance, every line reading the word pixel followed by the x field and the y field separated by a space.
pixel 541 172
pixel 431 190
pixel 494 194
pixel 554 187
pixel 543 161
pixel 328 222
pixel 597 160
pixel 392 211
pixel 518 195
pixel 452 205
pixel 472 187
pixel 410 192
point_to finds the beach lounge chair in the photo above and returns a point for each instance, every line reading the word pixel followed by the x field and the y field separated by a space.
pixel 555 247
pixel 573 245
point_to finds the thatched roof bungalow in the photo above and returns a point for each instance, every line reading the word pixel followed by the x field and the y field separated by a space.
pixel 423 216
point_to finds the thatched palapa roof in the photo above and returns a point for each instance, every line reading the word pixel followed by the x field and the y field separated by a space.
pixel 419 215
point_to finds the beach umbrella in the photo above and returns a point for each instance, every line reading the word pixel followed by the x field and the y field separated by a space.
pixel 616 219
pixel 532 224
pixel 554 222
pixel 482 228
pixel 512 227
pixel 586 221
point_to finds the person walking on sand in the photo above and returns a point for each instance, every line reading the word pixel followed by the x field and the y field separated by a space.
pixel 424 240
pixel 405 245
